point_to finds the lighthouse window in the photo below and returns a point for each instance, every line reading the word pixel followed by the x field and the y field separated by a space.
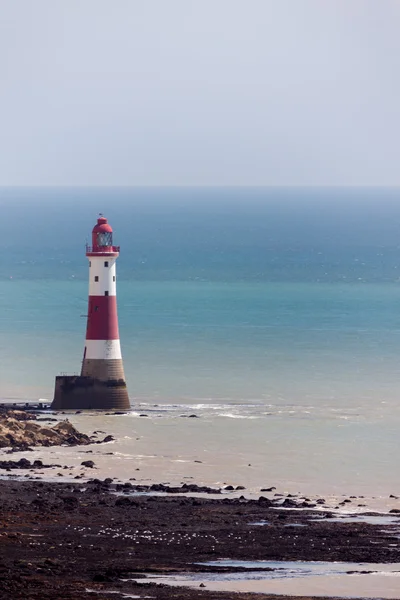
pixel 96 277
pixel 106 293
pixel 113 277
pixel 106 263
pixel 104 239
pixel 90 263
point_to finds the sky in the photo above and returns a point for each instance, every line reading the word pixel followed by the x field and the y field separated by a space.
pixel 199 92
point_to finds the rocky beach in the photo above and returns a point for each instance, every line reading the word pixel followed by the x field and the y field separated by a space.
pixel 106 538
pixel 101 540
pixel 21 429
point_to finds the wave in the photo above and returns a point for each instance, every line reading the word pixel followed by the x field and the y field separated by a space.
pixel 236 416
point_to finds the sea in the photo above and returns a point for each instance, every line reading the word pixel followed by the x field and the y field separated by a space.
pixel 270 314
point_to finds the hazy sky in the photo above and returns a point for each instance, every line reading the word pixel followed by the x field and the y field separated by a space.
pixel 210 92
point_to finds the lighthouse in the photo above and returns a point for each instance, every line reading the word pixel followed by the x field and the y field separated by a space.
pixel 101 384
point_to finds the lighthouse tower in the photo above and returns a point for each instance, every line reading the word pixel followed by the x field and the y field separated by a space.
pixel 101 384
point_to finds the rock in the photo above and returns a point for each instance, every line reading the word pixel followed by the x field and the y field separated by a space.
pixel 287 503
pixel 4 441
pixel 108 438
pixel 70 501
pixel 202 489
pixel 124 501
pixel 395 511
pixel 22 430
pixel 32 426
pixel 264 501
pixel 23 463
pixel 88 463
pixel 270 489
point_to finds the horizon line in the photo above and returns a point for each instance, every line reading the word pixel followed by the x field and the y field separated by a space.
pixel 195 185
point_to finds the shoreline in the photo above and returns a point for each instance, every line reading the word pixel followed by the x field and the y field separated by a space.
pixel 60 539
pixel 69 531
pixel 147 460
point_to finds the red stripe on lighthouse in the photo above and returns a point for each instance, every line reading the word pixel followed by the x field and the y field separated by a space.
pixel 102 323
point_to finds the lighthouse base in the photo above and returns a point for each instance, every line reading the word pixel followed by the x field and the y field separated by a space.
pixel 87 393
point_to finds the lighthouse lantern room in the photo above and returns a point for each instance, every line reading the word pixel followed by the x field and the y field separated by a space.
pixel 101 384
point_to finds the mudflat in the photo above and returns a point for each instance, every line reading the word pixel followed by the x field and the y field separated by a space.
pixel 98 540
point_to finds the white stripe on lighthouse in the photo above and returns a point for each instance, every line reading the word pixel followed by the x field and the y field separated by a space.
pixel 102 276
pixel 103 350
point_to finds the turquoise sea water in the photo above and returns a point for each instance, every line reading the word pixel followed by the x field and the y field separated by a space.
pixel 243 294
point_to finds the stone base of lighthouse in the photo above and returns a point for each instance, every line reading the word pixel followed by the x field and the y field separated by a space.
pixel 79 392
pixel 101 386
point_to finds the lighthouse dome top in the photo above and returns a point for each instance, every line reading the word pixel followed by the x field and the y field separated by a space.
pixel 102 226
pixel 102 239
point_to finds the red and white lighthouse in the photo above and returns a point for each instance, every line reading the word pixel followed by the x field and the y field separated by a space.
pixel 101 384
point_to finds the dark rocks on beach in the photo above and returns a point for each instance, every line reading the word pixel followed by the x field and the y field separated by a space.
pixel 88 463
pixel 202 489
pixel 123 501
pixel 70 501
pixel 306 505
pixel 60 538
pixel 265 501
pixel 185 488
pixel 288 503
pixel 24 463
pixel 270 489
pixel 23 447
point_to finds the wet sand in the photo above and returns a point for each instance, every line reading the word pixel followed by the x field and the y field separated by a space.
pixel 59 540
